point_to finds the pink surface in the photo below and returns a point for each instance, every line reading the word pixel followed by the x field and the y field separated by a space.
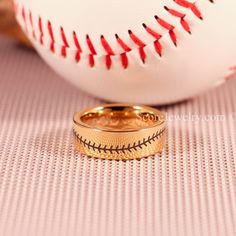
pixel 46 188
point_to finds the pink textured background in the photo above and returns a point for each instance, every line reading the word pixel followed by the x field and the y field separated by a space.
pixel 46 188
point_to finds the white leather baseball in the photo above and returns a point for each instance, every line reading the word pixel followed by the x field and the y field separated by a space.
pixel 142 51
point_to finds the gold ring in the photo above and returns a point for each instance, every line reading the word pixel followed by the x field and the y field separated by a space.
pixel 119 132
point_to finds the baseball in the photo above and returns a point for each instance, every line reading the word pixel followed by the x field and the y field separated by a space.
pixel 138 51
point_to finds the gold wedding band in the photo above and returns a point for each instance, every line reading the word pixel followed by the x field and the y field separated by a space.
pixel 119 132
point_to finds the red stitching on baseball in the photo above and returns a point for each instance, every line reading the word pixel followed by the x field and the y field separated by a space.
pixel 164 24
pixel 90 45
pixel 32 25
pixel 65 42
pixel 141 45
pixel 173 37
pixel 52 47
pixel 108 61
pixel 152 32
pixel 40 30
pixel 122 44
pixel 77 44
pixel 105 44
pixel 191 6
pixel 109 51
pixel 158 47
pixel 135 39
pixel 180 15
pixel 91 60
pixel 185 25
pixel 93 52
pixel 169 27
pixel 142 54
pixel 124 60
pixel 174 12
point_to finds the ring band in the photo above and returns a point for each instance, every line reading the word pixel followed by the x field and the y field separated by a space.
pixel 119 132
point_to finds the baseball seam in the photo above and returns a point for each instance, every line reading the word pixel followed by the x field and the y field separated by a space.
pixel 124 149
pixel 30 29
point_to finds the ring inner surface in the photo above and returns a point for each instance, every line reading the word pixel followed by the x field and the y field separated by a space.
pixel 121 119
